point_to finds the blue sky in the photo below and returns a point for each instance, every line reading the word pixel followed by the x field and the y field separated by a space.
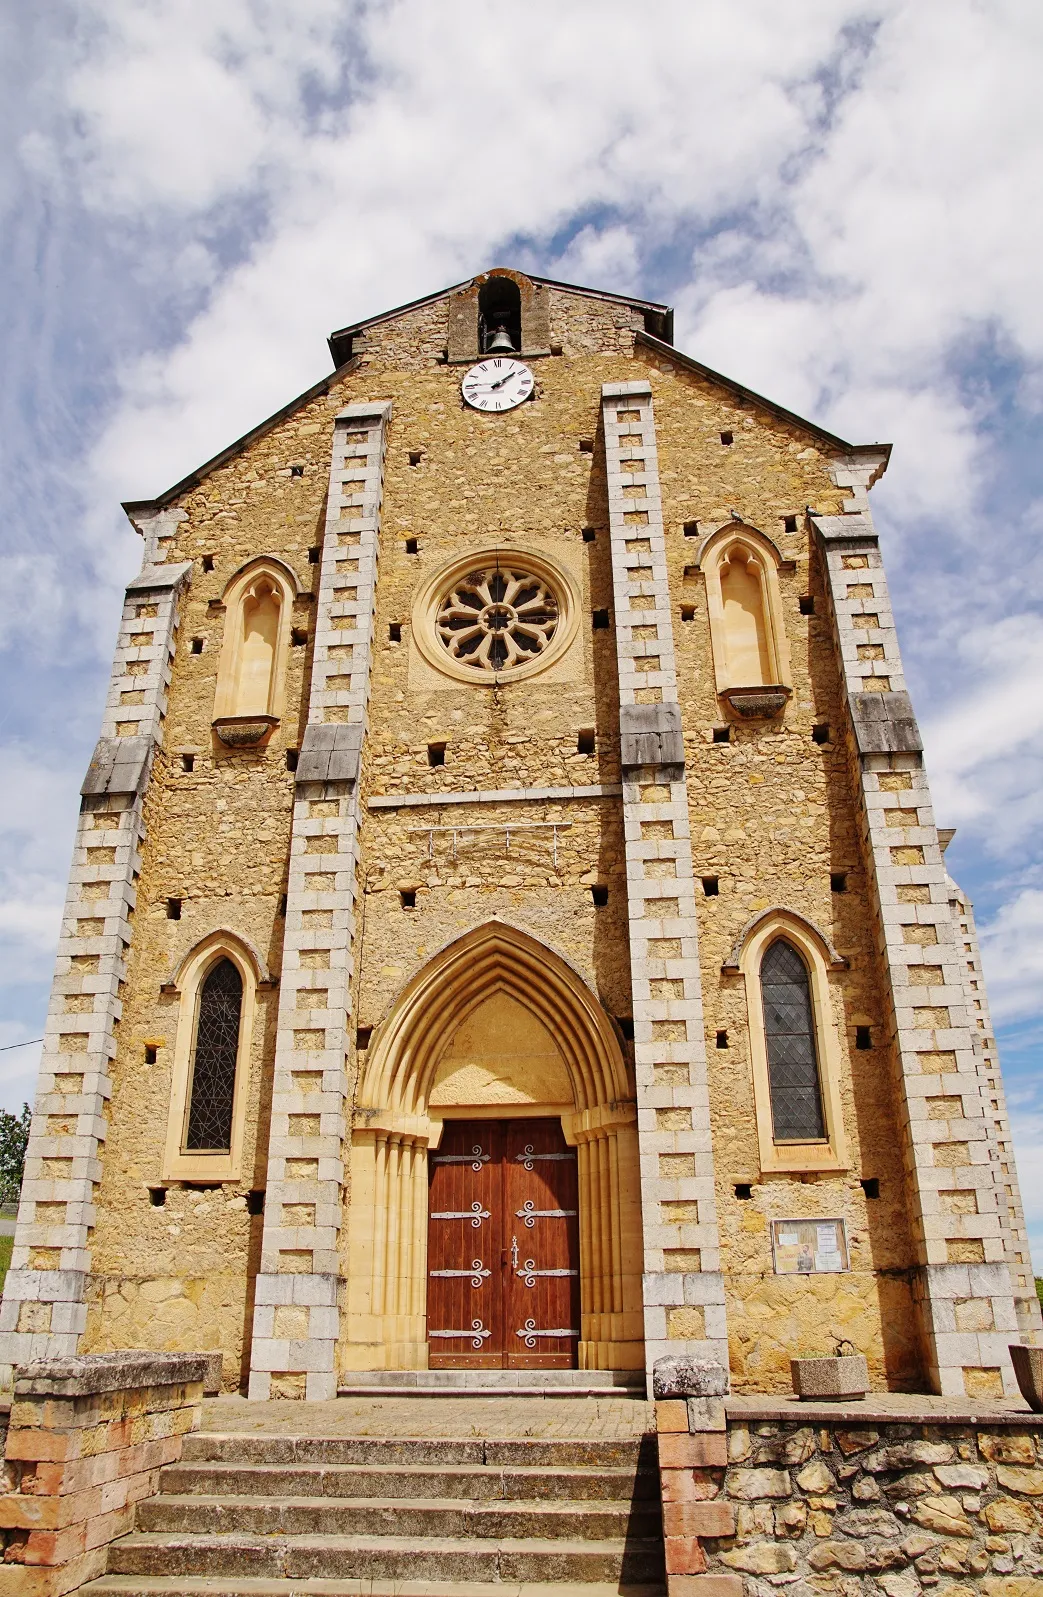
pixel 841 200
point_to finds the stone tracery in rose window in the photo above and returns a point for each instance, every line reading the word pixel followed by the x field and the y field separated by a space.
pixel 497 619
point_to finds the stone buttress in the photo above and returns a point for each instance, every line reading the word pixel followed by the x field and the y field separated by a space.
pixel 296 1305
pixel 44 1310
pixel 957 1206
pixel 1001 1146
pixel 684 1312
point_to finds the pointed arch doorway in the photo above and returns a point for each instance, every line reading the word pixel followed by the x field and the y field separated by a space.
pixel 497 1036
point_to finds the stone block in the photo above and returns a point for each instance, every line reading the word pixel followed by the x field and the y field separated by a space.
pixel 671 1416
pixel 118 765
pixel 684 1555
pixel 707 1413
pixel 885 723
pixel 650 735
pixel 682 1376
pixel 712 1585
pixel 709 1450
pixel 699 1519
pixel 687 1485
pixel 330 752
pixel 97 1373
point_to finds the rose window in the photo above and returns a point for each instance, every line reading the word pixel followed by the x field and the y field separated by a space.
pixel 497 619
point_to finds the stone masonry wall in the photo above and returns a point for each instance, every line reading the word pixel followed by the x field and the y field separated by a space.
pixel 772 816
pixel 771 813
pixel 87 1440
pixel 852 1506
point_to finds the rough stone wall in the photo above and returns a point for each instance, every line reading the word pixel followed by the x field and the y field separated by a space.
pixel 217 837
pixel 772 815
pixel 771 812
pixel 412 341
pixel 854 1509
pixel 1015 1232
pixel 87 1441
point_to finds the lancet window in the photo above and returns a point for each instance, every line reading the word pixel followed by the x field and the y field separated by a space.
pixel 789 1034
pixel 214 1059
pixel 210 1077
pixel 792 973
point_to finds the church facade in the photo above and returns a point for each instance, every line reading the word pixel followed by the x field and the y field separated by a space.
pixel 508 926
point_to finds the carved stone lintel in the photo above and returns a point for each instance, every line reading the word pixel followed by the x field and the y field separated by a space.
pixel 244 731
pixel 758 704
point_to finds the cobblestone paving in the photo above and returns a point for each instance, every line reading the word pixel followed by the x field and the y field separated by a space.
pixel 574 1418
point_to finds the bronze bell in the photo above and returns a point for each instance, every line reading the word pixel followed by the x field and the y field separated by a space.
pixel 500 343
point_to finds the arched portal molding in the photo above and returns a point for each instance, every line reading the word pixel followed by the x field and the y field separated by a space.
pixel 783 917
pixel 222 940
pixel 494 957
pixel 245 575
pixel 739 531
pixel 399 1115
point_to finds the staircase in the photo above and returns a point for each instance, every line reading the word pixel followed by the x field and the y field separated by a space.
pixel 287 1515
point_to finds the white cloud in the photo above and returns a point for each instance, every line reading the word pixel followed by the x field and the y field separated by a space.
pixel 837 199
pixel 1012 953
pixel 988 746
pixel 606 257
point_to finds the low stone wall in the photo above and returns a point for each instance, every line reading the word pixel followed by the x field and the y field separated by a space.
pixel 894 1495
pixel 86 1441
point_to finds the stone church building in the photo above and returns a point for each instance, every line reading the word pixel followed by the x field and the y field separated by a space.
pixel 508 927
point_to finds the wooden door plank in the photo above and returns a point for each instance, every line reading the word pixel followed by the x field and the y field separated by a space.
pixel 541 1231
pixel 465 1290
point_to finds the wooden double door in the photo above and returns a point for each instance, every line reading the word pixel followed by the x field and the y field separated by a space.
pixel 503 1247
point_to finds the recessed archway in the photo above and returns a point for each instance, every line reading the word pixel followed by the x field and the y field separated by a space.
pixel 495 1025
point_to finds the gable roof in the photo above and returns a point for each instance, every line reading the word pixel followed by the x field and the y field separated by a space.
pixel 749 397
pixel 659 318
pixel 657 337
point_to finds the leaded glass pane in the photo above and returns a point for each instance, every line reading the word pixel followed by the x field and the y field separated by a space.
pixel 796 1100
pixel 213 1067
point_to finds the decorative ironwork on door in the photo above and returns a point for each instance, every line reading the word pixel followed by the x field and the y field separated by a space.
pixel 523 1312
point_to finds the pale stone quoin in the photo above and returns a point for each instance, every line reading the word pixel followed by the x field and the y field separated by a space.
pixel 526 767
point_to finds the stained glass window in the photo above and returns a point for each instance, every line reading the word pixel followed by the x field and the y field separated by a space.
pixel 213 1066
pixel 796 1099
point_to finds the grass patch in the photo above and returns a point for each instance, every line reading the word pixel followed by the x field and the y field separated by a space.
pixel 1039 1287
pixel 6 1244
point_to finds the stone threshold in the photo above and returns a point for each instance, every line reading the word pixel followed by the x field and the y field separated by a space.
pixel 496 795
pixel 882 1408
pixel 222 1586
pixel 494 1383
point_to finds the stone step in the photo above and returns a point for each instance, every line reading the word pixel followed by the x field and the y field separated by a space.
pixel 385 1558
pixel 494 1383
pixel 424 1518
pixel 472 1482
pixel 464 1383
pixel 235 1447
pixel 221 1586
pixel 506 1391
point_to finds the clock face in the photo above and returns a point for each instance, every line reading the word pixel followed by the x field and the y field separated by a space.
pixel 497 384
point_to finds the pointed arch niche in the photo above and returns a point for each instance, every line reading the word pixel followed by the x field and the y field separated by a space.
pixel 750 652
pixel 258 603
pixel 495 1026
